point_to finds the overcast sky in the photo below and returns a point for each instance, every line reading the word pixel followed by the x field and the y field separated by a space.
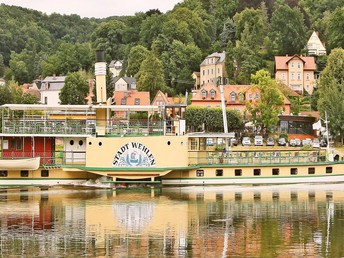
pixel 94 8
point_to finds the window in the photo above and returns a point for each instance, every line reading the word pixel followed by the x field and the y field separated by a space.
pixel 45 100
pixel 249 96
pixel 298 65
pixel 307 87
pixel 292 76
pixel 19 144
pixel 283 76
pixel 212 71
pixel 275 171
pixel 123 101
pixel 200 173
pixel 328 170
pixel 24 173
pixel 44 173
pixel 293 171
pixel 204 94
pixel 137 101
pixel 212 94
pixel 307 76
pixel 208 71
pixel 311 171
pixel 256 172
pixel 238 172
pixel 3 173
pixel 257 96
pixel 193 144
pixel 218 70
pixel 299 76
pixel 219 172
pixel 232 96
pixel 203 72
pixel 13 144
pixel 292 65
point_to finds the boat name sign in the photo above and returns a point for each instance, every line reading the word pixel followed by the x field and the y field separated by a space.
pixel 134 154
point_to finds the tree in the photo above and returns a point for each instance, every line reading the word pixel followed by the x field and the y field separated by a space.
pixel 151 76
pixel 5 95
pixel 335 31
pixel 109 36
pixel 264 111
pixel 228 32
pixel 75 90
pixel 288 30
pixel 136 55
pixel 331 88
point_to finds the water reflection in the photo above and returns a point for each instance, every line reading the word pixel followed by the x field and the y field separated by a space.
pixel 251 221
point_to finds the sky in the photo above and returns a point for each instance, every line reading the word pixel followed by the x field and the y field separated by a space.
pixel 94 8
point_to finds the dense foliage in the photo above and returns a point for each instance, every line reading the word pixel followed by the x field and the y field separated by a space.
pixel 210 119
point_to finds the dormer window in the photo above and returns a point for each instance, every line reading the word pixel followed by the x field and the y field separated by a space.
pixel 123 101
pixel 257 96
pixel 241 96
pixel 250 96
pixel 212 94
pixel 204 94
pixel 233 96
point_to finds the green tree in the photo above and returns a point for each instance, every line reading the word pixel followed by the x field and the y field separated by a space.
pixel 265 110
pixel 5 95
pixel 136 55
pixel 109 36
pixel 151 76
pixel 150 29
pixel 335 29
pixel 228 33
pixel 331 88
pixel 288 30
pixel 75 90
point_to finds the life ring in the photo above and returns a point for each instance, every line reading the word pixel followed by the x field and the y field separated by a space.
pixel 312 159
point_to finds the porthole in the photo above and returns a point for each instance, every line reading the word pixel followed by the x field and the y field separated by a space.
pixel 81 142
pixel 89 143
pixel 100 143
pixel 168 143
pixel 71 142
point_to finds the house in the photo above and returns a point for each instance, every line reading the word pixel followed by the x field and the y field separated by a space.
pixel 115 67
pixel 235 97
pixel 213 69
pixel 297 72
pixel 51 87
pixel 315 46
pixel 132 97
pixel 31 89
pixel 124 83
pixel 161 99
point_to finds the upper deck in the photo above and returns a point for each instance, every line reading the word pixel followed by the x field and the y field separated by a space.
pixel 82 120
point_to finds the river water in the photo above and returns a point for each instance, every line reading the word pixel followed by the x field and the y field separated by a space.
pixel 229 221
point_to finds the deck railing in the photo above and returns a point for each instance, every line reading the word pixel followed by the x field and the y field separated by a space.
pixel 118 127
pixel 257 158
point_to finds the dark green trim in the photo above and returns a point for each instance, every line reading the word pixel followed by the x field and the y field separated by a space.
pixel 251 177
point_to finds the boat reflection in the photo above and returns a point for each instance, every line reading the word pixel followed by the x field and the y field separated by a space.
pixel 230 221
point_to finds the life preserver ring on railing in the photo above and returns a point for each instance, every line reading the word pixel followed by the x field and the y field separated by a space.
pixel 312 159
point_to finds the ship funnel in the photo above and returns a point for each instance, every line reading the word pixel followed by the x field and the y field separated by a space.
pixel 100 73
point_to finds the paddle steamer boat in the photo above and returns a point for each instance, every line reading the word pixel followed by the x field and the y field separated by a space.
pixel 75 144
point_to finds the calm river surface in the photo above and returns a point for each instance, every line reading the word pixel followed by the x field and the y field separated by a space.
pixel 232 221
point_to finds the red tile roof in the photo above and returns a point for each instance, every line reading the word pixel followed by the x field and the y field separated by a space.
pixel 131 96
pixel 281 62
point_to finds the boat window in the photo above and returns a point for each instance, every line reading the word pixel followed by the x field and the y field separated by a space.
pixel 238 196
pixel 293 171
pixel 219 172
pixel 100 143
pixel 275 195
pixel 238 172
pixel 12 144
pixel 293 195
pixel 24 173
pixel 71 142
pixel 193 144
pixel 3 173
pixel 311 171
pixel 256 172
pixel 328 170
pixel 275 171
pixel 44 173
pixel 256 196
pixel 199 172
pixel 81 142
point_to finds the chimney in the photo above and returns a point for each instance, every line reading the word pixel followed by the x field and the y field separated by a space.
pixel 100 72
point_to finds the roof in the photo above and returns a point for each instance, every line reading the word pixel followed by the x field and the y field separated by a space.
pixel 130 97
pixel 56 86
pixel 221 58
pixel 281 62
pixel 54 79
pixel 128 80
